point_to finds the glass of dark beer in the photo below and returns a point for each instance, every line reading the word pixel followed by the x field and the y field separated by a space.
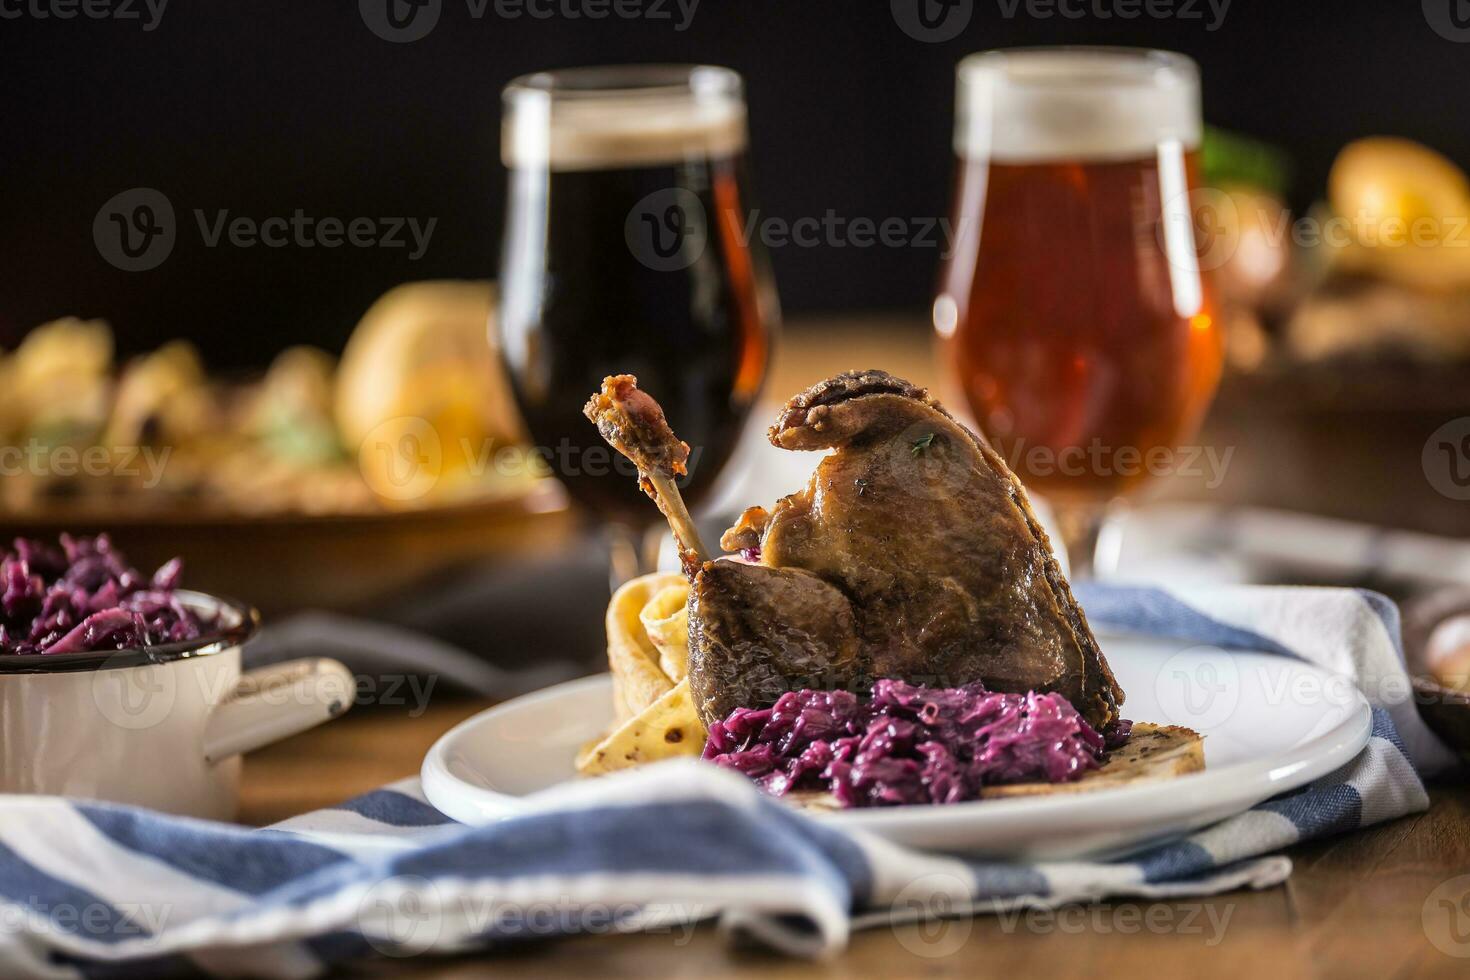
pixel 1072 312
pixel 625 251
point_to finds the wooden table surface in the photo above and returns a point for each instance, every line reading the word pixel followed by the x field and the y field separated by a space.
pixel 1354 907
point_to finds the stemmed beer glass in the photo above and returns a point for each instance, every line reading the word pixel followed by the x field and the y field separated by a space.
pixel 1072 312
pixel 625 252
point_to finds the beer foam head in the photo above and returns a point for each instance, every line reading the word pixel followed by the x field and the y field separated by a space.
pixel 635 116
pixel 1029 105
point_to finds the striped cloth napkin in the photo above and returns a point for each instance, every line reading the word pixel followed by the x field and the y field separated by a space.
pixel 87 889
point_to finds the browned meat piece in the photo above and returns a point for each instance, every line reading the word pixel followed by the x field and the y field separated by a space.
pixel 763 631
pixel 807 407
pixel 913 553
pixel 634 425
pixel 929 534
pixel 747 532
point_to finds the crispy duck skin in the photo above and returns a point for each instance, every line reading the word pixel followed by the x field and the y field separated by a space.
pixel 931 536
pixel 912 553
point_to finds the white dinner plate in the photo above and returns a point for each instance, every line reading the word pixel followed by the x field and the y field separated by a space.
pixel 1271 724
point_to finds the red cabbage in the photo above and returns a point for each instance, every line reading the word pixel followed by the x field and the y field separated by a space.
pixel 909 744
pixel 84 597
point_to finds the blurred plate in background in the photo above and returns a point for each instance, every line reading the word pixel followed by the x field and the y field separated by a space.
pixel 283 563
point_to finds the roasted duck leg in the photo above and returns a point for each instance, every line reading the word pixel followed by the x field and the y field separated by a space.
pixel 634 425
pixel 912 553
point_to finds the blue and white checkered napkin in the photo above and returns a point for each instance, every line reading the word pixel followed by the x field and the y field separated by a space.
pixel 85 888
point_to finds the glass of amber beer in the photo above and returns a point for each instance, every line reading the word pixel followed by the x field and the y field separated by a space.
pixel 1072 310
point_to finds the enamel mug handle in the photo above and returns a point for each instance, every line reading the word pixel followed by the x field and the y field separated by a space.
pixel 273 702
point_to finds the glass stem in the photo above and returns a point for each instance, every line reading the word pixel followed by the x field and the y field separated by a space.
pixel 653 543
pixel 633 551
pixel 622 542
pixel 1088 534
pixel 1080 525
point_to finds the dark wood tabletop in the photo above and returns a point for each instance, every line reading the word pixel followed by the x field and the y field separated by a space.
pixel 1360 905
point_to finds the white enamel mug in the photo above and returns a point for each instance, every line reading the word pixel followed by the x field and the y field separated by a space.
pixel 163 727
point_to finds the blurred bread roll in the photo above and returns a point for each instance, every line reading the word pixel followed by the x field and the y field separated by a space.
pixel 161 396
pixel 1382 179
pixel 57 385
pixel 1408 212
pixel 419 369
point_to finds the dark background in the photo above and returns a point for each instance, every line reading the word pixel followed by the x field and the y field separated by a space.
pixel 266 106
